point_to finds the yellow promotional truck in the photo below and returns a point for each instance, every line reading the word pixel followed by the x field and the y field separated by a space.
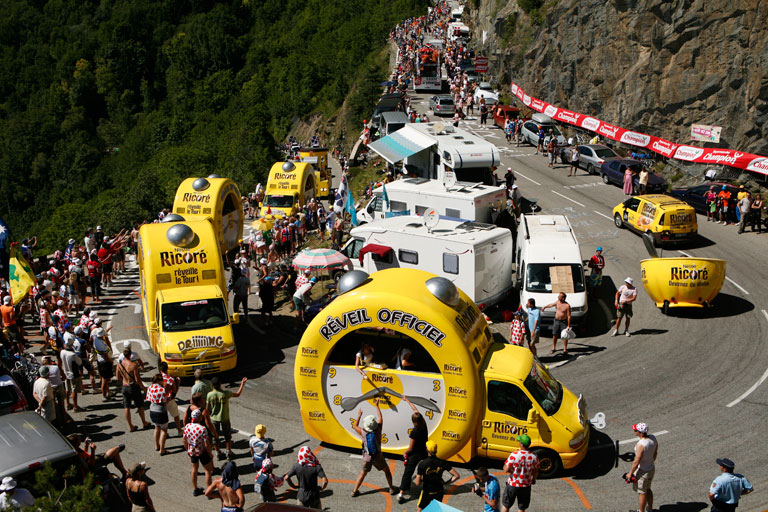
pixel 183 297
pixel 475 395
pixel 318 158
pixel 217 199
pixel 289 185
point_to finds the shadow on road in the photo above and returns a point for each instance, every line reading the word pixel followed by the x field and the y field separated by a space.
pixel 684 506
pixel 600 460
pixel 698 242
pixel 724 305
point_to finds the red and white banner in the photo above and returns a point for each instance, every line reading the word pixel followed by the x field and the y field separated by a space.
pixel 730 157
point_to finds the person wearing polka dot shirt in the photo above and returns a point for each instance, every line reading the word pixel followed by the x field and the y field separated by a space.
pixel 523 469
pixel 199 450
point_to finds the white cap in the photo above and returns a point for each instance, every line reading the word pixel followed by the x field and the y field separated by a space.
pixel 52 262
pixel 263 261
pixel 8 484
pixel 98 228
pixel 307 271
pixel 92 315
pixel 7 300
pixel 59 302
pixel 629 281
pixel 127 345
pixel 71 241
pixel 78 329
pixel 97 321
pixel 106 239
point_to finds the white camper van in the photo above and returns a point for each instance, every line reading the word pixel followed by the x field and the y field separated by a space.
pixel 477 257
pixel 467 201
pixel 548 261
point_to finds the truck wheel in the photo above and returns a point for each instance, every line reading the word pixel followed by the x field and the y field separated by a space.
pixel 665 307
pixel 591 169
pixel 549 462
pixel 605 179
pixel 617 220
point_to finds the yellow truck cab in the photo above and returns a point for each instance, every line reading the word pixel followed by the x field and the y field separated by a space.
pixel 183 297
pixel 318 158
pixel 475 395
pixel 217 199
pixel 289 185
pixel 665 218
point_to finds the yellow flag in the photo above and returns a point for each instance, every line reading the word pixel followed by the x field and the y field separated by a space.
pixel 20 275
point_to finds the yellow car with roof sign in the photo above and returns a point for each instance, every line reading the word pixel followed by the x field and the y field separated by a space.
pixel 665 218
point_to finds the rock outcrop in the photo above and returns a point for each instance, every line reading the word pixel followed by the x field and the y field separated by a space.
pixel 653 66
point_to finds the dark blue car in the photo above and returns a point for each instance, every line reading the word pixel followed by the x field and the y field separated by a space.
pixel 695 196
pixel 612 171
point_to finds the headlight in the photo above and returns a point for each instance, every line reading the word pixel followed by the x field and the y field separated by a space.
pixel 227 349
pixel 577 441
pixel 173 357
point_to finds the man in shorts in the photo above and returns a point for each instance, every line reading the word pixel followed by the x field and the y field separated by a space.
pixel 199 450
pixel 370 432
pixel 71 365
pixel 596 265
pixel 132 388
pixel 562 321
pixel 429 474
pixel 625 296
pixel 172 385
pixel 533 315
pixel 300 299
pixel 217 403
pixel 523 469
pixel 644 465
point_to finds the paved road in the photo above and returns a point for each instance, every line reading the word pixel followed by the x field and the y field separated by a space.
pixel 687 375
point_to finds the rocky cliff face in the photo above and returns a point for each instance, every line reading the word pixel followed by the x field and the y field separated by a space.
pixel 654 66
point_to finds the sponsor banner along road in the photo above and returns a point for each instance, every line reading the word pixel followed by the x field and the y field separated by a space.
pixel 730 157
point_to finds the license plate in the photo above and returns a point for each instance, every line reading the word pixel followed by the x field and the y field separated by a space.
pixel 203 366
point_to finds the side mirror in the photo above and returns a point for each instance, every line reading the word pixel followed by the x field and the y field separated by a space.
pixel 235 318
pixel 153 326
pixel 533 416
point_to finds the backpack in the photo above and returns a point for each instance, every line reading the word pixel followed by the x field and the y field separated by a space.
pixel 370 448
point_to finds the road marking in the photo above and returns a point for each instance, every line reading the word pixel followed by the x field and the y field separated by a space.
pixel 579 493
pixel 756 384
pixel 603 215
pixel 137 309
pixel 765 313
pixel 568 198
pixel 737 285
pixel 685 254
pixel 657 434
pixel 527 178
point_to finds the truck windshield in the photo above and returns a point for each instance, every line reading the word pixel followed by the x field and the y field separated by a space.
pixel 539 277
pixel 279 201
pixel 193 315
pixel 544 388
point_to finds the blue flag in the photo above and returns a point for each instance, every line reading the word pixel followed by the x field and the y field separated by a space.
pixel 4 234
pixel 351 207
pixel 384 195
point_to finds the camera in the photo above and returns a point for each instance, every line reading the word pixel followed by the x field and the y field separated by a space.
pixel 477 488
pixel 629 479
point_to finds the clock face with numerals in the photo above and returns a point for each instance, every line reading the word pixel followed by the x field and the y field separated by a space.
pixel 346 392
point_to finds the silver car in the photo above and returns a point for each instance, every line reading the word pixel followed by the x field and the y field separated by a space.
pixel 442 105
pixel 591 156
pixel 530 132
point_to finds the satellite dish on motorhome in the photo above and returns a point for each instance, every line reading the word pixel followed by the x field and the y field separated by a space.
pixel 431 218
pixel 449 179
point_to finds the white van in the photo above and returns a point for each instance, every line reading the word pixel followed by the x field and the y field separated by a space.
pixel 391 122
pixel 548 261
pixel 457 13
pixel 467 201
pixel 476 257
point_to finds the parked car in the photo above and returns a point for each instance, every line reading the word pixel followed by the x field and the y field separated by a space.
pixel 485 90
pixel 441 105
pixel 695 195
pixel 612 171
pixel 387 105
pixel 530 130
pixel 504 112
pixel 11 396
pixel 591 156
pixel 665 218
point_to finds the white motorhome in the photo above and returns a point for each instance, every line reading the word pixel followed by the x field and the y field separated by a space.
pixel 548 261
pixel 467 201
pixel 476 257
pixel 457 29
pixel 427 150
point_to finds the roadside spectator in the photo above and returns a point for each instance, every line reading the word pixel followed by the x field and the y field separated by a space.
pixel 260 446
pixel 629 177
pixel 103 348
pixel 710 199
pixel 562 321
pixel 625 296
pixel 540 145
pixel 551 149
pixel 516 330
pixel 171 390
pixel 55 377
pixel 267 296
pixel 642 180
pixel 741 194
pixel 228 489
pixel 42 391
pixel 723 200
pixel 745 207
pixel 218 405
pixel 138 490
pixel 94 461
pixel 266 482
pixel 596 265
pixel 523 468
pixel 132 389
pixel 12 497
pixel 575 156
pixel 199 450
pixel 728 488
pixel 756 214
pixel 534 327
pixel 429 475
pixel 156 395
pixel 71 365
pixel 301 299
pixel 201 385
pixel 488 489
pixel 370 432
pixel 9 323
pixel 416 451
pixel 644 465
pixel 307 470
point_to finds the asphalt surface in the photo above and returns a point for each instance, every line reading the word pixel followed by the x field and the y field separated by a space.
pixel 688 375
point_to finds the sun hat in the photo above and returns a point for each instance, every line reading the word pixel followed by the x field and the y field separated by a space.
pixel 45 371
pixel 629 280
pixel 136 468
pixel 640 427
pixel 8 484
pixel 369 423
pixel 260 430
pixel 431 447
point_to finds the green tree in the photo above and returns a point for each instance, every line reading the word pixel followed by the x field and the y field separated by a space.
pixel 59 493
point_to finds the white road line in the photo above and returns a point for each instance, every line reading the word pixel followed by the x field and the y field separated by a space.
pixel 737 285
pixel 756 384
pixel 657 434
pixel 527 178
pixel 568 198
pixel 685 254
pixel 603 215
pixel 137 309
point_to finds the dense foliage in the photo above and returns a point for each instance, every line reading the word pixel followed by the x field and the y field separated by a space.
pixel 106 105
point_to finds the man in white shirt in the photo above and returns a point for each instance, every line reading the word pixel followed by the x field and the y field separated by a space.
pixel 42 391
pixel 13 497
pixel 71 363
pixel 300 299
pixel 644 466
pixel 625 296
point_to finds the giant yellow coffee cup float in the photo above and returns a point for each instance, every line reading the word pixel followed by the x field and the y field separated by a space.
pixel 682 282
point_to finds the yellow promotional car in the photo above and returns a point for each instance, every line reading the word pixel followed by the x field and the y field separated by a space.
pixel 289 185
pixel 475 395
pixel 183 297
pixel 665 218
pixel 318 158
pixel 682 282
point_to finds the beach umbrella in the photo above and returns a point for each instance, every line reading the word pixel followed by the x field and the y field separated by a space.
pixel 321 259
